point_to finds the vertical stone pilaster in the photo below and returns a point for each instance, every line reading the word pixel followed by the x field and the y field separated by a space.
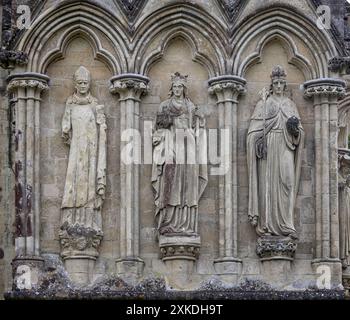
pixel 25 89
pixel 325 94
pixel 227 90
pixel 130 88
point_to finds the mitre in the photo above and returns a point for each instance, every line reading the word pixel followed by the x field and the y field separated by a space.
pixel 82 74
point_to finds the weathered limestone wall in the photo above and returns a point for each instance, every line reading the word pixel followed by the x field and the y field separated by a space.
pixel 233 58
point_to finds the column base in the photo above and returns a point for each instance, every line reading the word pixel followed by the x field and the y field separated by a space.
pixel 80 269
pixel 228 265
pixel 133 266
pixel 324 266
pixel 26 272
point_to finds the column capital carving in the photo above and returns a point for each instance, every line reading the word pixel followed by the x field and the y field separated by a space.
pixel 37 81
pixel 129 86
pixel 339 64
pixel 227 87
pixel 325 87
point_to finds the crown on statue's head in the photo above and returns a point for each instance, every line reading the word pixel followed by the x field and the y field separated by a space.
pixel 278 73
pixel 177 77
pixel 82 74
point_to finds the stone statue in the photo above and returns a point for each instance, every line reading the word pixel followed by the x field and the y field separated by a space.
pixel 84 130
pixel 274 145
pixel 344 205
pixel 180 177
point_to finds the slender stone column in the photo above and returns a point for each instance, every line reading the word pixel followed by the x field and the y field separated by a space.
pixel 130 88
pixel 325 94
pixel 25 90
pixel 227 90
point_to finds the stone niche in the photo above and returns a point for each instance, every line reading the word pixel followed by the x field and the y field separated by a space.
pixel 178 58
pixel 54 156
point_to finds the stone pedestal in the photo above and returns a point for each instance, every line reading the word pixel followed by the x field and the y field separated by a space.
pixel 26 272
pixel 346 283
pixel 79 251
pixel 276 254
pixel 80 269
pixel 179 254
pixel 328 273
pixel 130 265
pixel 228 265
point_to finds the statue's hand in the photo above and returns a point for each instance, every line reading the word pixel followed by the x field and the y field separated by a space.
pixel 293 126
pixel 66 138
pixel 157 139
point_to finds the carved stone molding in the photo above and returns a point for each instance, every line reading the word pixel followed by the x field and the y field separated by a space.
pixel 231 8
pixel 325 87
pixel 339 64
pixel 131 8
pixel 179 247
pixel 275 248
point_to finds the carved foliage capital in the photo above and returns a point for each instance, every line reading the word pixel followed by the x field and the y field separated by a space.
pixel 325 87
pixel 129 88
pixel 9 58
pixel 339 64
pixel 27 83
pixel 226 88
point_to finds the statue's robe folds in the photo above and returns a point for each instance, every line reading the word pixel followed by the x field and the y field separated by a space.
pixel 86 171
pixel 273 182
pixel 179 186
pixel 344 217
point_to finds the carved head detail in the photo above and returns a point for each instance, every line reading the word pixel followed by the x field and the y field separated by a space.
pixel 278 80
pixel 178 85
pixel 82 80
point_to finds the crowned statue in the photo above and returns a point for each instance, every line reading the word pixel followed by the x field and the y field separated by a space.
pixel 274 146
pixel 179 174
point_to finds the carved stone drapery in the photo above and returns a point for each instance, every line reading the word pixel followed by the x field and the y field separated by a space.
pixel 179 173
pixel 275 142
pixel 344 207
pixel 25 91
pixel 130 88
pixel 227 90
pixel 325 94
